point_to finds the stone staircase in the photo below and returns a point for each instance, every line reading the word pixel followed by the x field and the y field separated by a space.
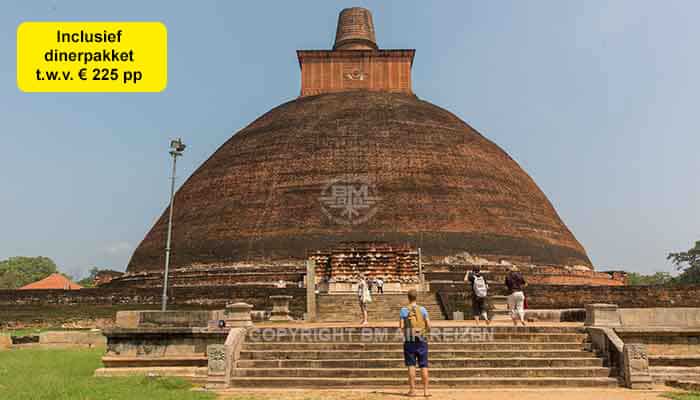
pixel 384 307
pixel 501 356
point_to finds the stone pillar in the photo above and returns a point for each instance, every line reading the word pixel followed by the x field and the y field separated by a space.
pixel 280 308
pixel 310 290
pixel 636 366
pixel 238 315
pixel 602 315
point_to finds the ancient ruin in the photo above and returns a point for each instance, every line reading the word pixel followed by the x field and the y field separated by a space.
pixel 357 157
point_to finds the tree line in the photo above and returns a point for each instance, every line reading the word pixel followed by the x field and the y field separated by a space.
pixel 16 272
pixel 687 263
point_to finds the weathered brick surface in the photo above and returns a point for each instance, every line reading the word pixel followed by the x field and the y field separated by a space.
pixel 443 186
pixel 324 71
pixel 375 260
pixel 57 306
pixel 458 298
pixel 445 274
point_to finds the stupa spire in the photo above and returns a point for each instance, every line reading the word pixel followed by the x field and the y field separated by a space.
pixel 355 30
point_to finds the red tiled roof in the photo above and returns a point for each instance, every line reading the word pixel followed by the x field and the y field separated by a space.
pixel 53 281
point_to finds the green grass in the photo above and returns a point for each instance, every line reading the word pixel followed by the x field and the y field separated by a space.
pixel 37 374
pixel 682 396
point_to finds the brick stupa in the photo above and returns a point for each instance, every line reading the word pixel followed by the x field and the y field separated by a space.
pixel 357 157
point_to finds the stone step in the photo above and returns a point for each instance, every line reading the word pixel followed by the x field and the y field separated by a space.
pixel 665 373
pixel 301 382
pixel 434 372
pixel 354 301
pixel 197 375
pixel 433 338
pixel 345 307
pixel 447 329
pixel 386 299
pixel 355 355
pixel 578 362
pixel 481 347
pixel 350 304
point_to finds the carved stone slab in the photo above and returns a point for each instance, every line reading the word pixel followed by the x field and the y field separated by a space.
pixel 216 353
pixel 636 366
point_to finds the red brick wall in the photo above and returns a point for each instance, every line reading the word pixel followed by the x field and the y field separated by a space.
pixel 341 71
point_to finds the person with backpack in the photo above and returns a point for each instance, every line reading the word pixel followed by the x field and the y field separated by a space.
pixel 415 325
pixel 364 296
pixel 516 299
pixel 479 292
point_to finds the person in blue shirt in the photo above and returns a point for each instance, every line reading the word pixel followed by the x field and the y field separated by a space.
pixel 415 325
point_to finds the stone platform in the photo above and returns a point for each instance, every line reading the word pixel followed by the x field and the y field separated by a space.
pixel 606 351
pixel 461 355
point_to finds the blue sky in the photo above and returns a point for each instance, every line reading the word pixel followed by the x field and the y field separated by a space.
pixel 597 101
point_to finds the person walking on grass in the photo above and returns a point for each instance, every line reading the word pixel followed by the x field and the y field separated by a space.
pixel 516 298
pixel 364 296
pixel 415 325
pixel 479 288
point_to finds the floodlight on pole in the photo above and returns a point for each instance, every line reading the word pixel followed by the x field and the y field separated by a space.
pixel 176 150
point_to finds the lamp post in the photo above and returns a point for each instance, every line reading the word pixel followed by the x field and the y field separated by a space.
pixel 176 149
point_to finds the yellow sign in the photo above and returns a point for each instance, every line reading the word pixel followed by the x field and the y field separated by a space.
pixel 92 57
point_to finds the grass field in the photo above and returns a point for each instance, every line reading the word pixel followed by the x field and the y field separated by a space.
pixel 34 374
pixel 683 396
pixel 37 374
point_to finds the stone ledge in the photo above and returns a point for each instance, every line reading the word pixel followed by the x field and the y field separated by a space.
pixel 659 330
pixel 191 373
pixel 128 332
pixel 166 361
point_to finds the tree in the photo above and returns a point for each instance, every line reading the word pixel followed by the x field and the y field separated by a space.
pixel 688 262
pixel 19 271
pixel 89 281
pixel 658 278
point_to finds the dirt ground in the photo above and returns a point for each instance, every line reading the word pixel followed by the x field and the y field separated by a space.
pixel 449 394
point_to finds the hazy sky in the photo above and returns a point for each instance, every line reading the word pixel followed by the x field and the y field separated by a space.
pixel 597 101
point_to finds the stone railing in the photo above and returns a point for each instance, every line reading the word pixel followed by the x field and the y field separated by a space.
pixel 629 360
pixel 222 359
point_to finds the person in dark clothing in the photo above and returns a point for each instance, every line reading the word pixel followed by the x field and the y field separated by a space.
pixel 516 298
pixel 479 289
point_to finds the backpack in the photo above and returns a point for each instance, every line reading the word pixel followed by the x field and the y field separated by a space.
pixel 480 288
pixel 415 323
pixel 364 293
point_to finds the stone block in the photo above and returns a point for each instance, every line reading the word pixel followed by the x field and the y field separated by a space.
pixel 216 359
pixel 5 342
pixel 602 315
pixel 238 315
pixel 72 339
pixel 128 319
pixel 667 317
pixel 190 319
pixel 280 308
pixel 636 366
